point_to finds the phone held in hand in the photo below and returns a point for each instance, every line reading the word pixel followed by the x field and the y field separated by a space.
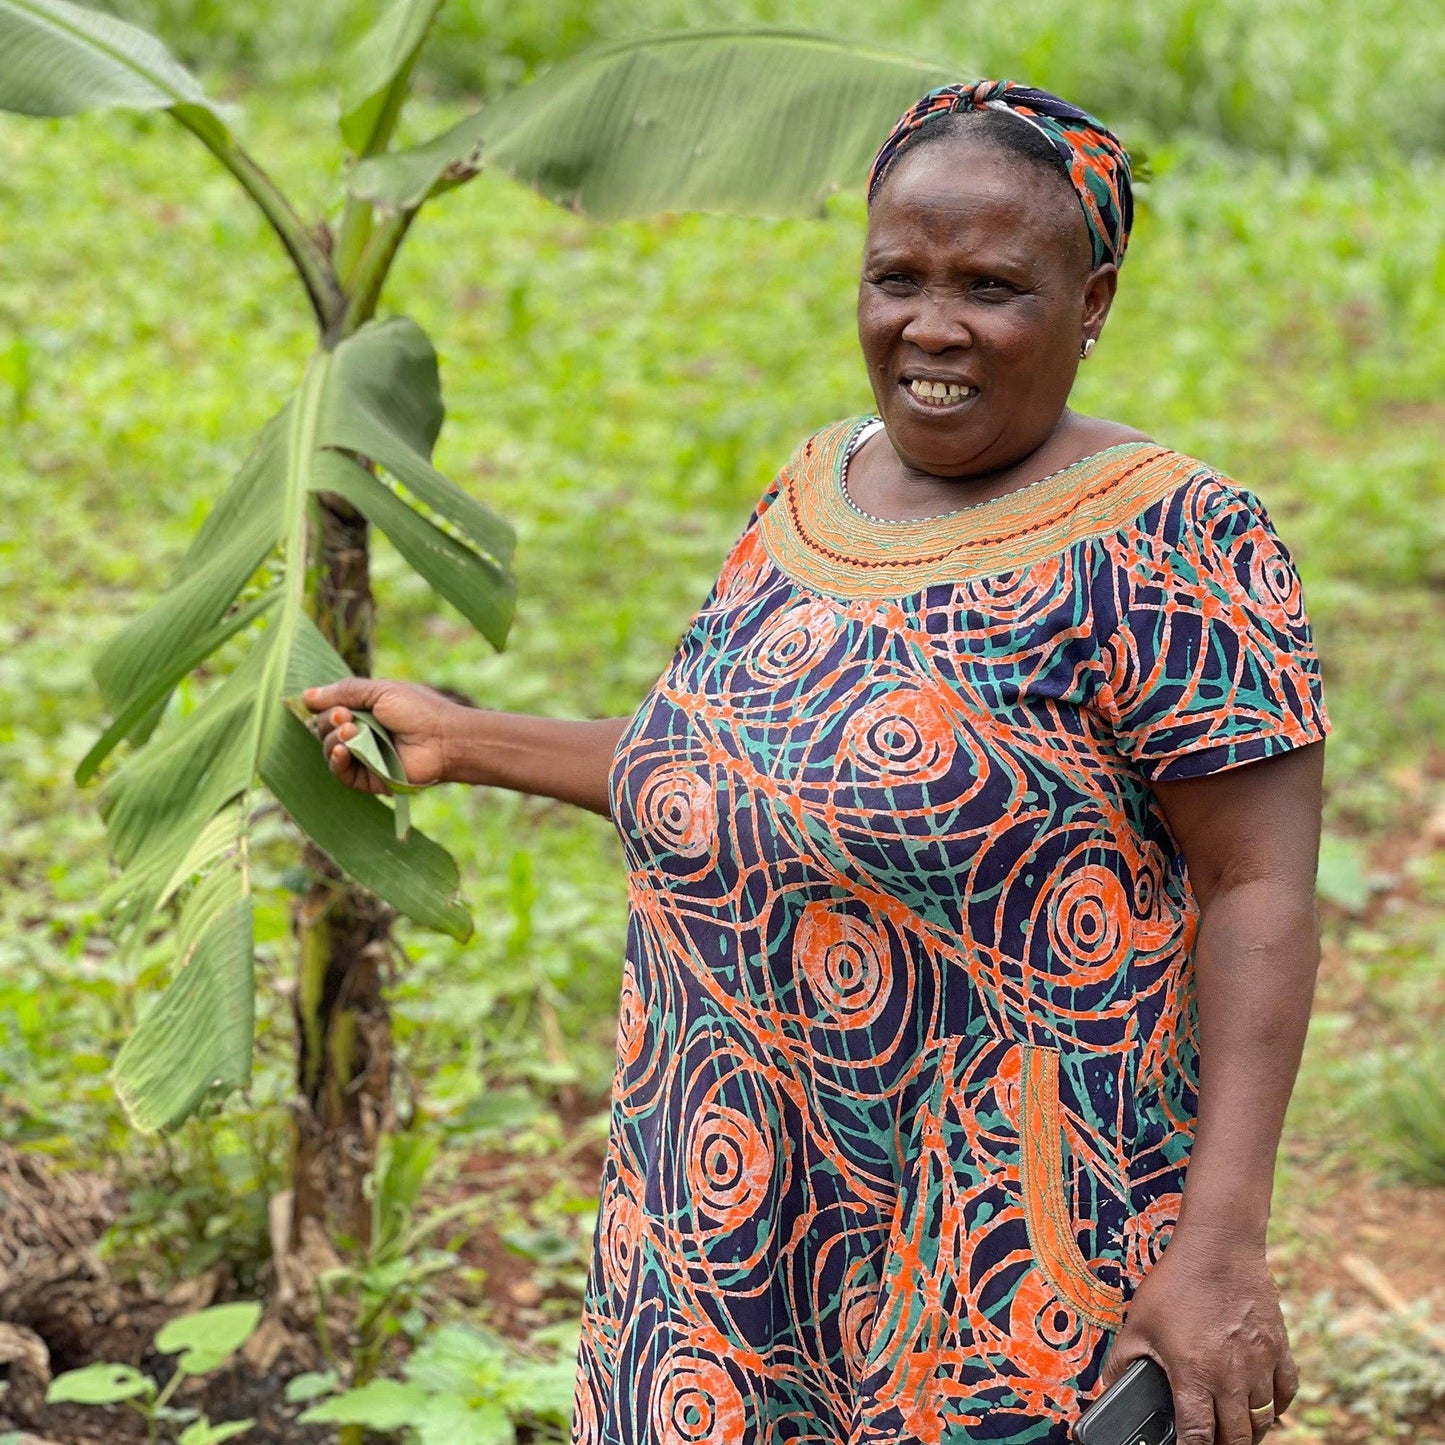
pixel 1137 1409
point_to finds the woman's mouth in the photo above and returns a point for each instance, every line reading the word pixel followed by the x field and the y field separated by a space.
pixel 937 395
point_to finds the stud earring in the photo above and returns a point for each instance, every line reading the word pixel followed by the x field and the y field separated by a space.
pixel 1088 347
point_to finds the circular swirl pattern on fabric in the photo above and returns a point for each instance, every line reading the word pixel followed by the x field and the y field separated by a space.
pixel 1274 584
pixel 695 1402
pixel 1125 673
pixel 744 574
pixel 1146 1233
pixel 586 1425
pixel 729 1164
pixel 1089 919
pixel 796 640
pixel 906 736
pixel 1018 597
pixel 631 1020
pixel 678 807
pixel 1146 890
pixel 860 1309
pixel 621 1233
pixel 1047 1336
pixel 846 963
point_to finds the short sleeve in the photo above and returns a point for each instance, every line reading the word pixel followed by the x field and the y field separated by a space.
pixel 1209 663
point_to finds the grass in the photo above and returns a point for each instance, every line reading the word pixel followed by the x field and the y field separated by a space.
pixel 623 395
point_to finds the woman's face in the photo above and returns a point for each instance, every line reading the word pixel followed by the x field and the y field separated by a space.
pixel 976 279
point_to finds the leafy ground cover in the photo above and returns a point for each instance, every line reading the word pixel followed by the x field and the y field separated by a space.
pixel 624 394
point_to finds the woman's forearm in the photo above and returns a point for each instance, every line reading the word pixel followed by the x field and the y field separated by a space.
pixel 1255 964
pixel 548 757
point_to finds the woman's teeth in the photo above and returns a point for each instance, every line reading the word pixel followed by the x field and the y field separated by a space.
pixel 937 393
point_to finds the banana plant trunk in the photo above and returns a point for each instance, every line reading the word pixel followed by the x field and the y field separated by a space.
pixel 344 1047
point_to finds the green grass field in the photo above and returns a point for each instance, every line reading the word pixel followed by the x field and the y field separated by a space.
pixel 623 394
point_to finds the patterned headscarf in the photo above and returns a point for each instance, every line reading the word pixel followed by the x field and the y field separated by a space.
pixel 1097 164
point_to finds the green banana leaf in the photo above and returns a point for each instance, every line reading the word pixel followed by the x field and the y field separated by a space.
pixel 61 59
pixel 472 582
pixel 157 803
pixel 415 874
pixel 377 74
pixel 194 1042
pixel 143 888
pixel 386 404
pixel 178 810
pixel 180 664
pixel 239 534
pixel 753 119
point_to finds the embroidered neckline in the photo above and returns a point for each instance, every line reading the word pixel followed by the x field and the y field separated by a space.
pixel 818 537
pixel 872 424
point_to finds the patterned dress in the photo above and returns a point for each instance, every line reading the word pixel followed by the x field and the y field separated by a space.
pixel 907 1068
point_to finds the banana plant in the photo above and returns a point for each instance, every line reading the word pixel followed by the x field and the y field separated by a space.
pixel 273 595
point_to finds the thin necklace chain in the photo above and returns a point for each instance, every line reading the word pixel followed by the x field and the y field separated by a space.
pixel 868 430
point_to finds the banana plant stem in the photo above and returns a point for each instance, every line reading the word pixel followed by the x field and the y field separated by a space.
pixel 369 275
pixel 312 265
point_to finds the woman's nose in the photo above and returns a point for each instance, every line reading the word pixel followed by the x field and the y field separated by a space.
pixel 936 326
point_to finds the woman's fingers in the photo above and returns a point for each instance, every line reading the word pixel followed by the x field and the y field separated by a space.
pixel 1243 1419
pixel 338 756
pixel 350 692
pixel 1194 1421
pixel 1286 1381
pixel 339 759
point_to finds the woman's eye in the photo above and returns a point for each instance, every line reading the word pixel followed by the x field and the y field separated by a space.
pixel 894 281
pixel 992 287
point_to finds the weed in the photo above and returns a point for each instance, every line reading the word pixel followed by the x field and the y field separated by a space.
pixel 460 1383
pixel 1388 1372
pixel 1412 1112
pixel 202 1342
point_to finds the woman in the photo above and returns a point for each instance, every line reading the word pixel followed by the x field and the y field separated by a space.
pixel 971 836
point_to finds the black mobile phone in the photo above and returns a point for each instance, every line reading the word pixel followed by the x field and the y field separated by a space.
pixel 1137 1409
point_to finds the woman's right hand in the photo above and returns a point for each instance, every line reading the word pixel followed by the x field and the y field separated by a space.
pixel 420 722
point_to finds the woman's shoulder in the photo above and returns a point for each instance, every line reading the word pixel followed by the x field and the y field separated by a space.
pixel 814 454
pixel 1097 433
pixel 824 440
pixel 1183 501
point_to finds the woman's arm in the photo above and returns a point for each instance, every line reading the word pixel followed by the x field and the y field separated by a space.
pixel 441 741
pixel 551 757
pixel 1208 1311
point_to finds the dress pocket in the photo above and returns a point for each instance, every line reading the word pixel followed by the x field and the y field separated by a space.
pixel 1051 1230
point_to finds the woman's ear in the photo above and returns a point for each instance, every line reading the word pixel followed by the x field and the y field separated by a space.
pixel 1099 288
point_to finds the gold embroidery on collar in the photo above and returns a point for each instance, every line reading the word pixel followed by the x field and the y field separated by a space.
pixel 812 534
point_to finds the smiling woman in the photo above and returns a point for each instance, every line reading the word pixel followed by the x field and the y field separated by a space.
pixel 984 282
pixel 971 835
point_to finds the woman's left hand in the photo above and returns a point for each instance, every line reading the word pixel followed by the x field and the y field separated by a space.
pixel 1209 1313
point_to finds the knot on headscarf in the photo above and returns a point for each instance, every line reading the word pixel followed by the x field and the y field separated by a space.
pixel 1097 164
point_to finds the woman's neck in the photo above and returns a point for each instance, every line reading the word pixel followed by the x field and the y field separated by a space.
pixel 883 483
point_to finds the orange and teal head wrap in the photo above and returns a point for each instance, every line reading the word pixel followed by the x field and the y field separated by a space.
pixel 1097 165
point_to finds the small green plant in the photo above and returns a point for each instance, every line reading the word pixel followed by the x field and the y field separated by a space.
pixel 1387 1371
pixel 461 1383
pixel 1412 1113
pixel 398 1264
pixel 203 1341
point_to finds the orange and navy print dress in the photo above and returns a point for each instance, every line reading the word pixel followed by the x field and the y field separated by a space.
pixel 907 1064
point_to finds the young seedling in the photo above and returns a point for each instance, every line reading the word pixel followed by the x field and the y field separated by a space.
pixel 202 1341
